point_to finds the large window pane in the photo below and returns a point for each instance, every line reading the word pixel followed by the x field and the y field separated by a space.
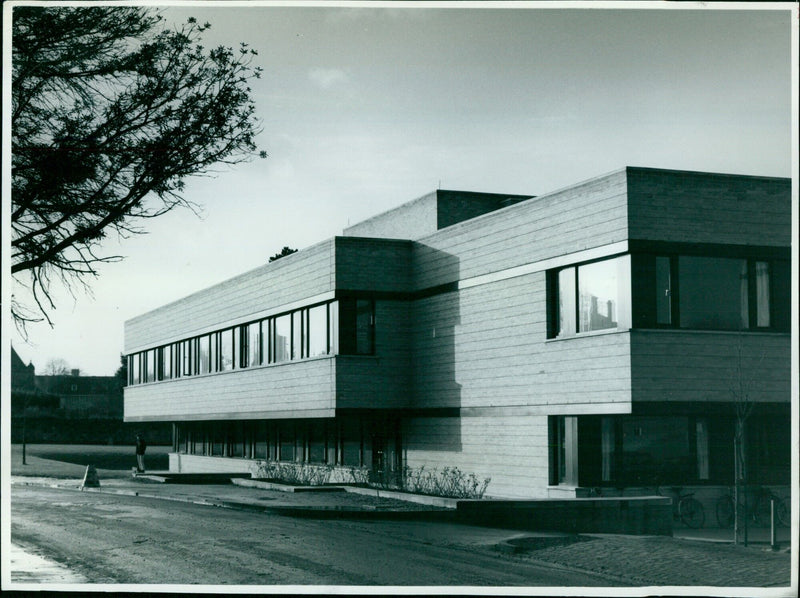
pixel 150 361
pixel 203 355
pixel 213 357
pixel 333 328
pixel 226 350
pixel 713 293
pixel 237 347
pixel 283 332
pixel 286 442
pixel 254 344
pixel 663 291
pixel 655 450
pixel 187 354
pixel 297 334
pixel 135 375
pixel 317 330
pixel 566 302
pixel 603 294
pixel 316 442
pixel 762 295
pixel 166 362
pixel 365 324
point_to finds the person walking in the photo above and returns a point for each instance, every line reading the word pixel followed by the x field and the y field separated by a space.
pixel 141 447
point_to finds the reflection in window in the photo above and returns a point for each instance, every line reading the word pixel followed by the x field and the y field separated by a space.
pixel 167 361
pixel 297 334
pixel 203 355
pixel 333 328
pixel 283 332
pixel 150 361
pixel 226 350
pixel 602 297
pixel 713 293
pixel 302 333
pixel 566 301
pixel 186 355
pixel 599 295
pixel 254 344
pixel 317 331
pixel 213 353
pixel 237 347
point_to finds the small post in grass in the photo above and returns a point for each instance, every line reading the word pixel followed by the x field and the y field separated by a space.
pixel 773 542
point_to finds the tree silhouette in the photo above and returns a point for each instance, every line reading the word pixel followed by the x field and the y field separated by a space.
pixel 111 111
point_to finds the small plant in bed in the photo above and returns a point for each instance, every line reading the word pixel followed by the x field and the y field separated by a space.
pixel 449 482
pixel 296 474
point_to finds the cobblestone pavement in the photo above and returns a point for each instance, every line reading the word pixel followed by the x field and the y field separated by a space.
pixel 665 561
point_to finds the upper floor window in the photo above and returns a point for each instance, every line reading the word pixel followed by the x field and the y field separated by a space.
pixel 589 297
pixel 711 293
pixel 298 334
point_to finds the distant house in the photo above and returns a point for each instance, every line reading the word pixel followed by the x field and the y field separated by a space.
pixel 22 376
pixel 589 337
pixel 95 397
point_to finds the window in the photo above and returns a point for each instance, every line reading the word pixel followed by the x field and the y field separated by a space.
pixel 365 327
pixel 563 441
pixel 317 331
pixel 187 354
pixel 165 358
pixel 283 337
pixel 204 354
pixel 590 297
pixel 150 366
pixel 254 344
pixel 237 347
pixel 134 367
pixel 297 334
pixel 711 293
pixel 303 333
pixel 226 350
pixel 286 442
pixel 628 450
pixel 333 328
pixel 213 352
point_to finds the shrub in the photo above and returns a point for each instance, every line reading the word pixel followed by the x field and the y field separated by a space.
pixel 299 474
pixel 450 482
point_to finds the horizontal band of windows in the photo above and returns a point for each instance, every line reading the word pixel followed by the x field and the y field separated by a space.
pixel 345 326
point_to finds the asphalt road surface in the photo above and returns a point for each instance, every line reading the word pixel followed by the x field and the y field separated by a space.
pixel 134 540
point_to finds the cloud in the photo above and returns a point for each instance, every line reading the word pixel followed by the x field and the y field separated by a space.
pixel 327 78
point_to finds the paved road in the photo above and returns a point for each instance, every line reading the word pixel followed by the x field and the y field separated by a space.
pixel 121 539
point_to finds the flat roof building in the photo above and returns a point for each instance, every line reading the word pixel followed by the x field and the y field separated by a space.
pixel 596 336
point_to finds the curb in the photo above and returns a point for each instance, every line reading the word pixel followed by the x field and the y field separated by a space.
pixel 365 513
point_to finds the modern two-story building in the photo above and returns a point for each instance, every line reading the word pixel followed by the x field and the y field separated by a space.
pixel 598 335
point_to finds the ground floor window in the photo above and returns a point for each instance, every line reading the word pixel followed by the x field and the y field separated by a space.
pixel 367 441
pixel 660 449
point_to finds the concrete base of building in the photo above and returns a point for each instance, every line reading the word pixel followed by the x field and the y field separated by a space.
pixel 639 516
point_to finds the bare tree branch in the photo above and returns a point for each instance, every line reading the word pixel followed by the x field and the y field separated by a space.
pixel 111 111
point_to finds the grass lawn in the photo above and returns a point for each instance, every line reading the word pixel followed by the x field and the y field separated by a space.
pixel 70 460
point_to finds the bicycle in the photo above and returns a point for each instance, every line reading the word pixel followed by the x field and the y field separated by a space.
pixel 686 508
pixel 762 508
pixel 759 513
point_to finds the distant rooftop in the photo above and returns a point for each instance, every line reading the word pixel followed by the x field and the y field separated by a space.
pixel 432 212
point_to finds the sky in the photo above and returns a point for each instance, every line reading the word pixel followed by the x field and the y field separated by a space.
pixel 366 108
